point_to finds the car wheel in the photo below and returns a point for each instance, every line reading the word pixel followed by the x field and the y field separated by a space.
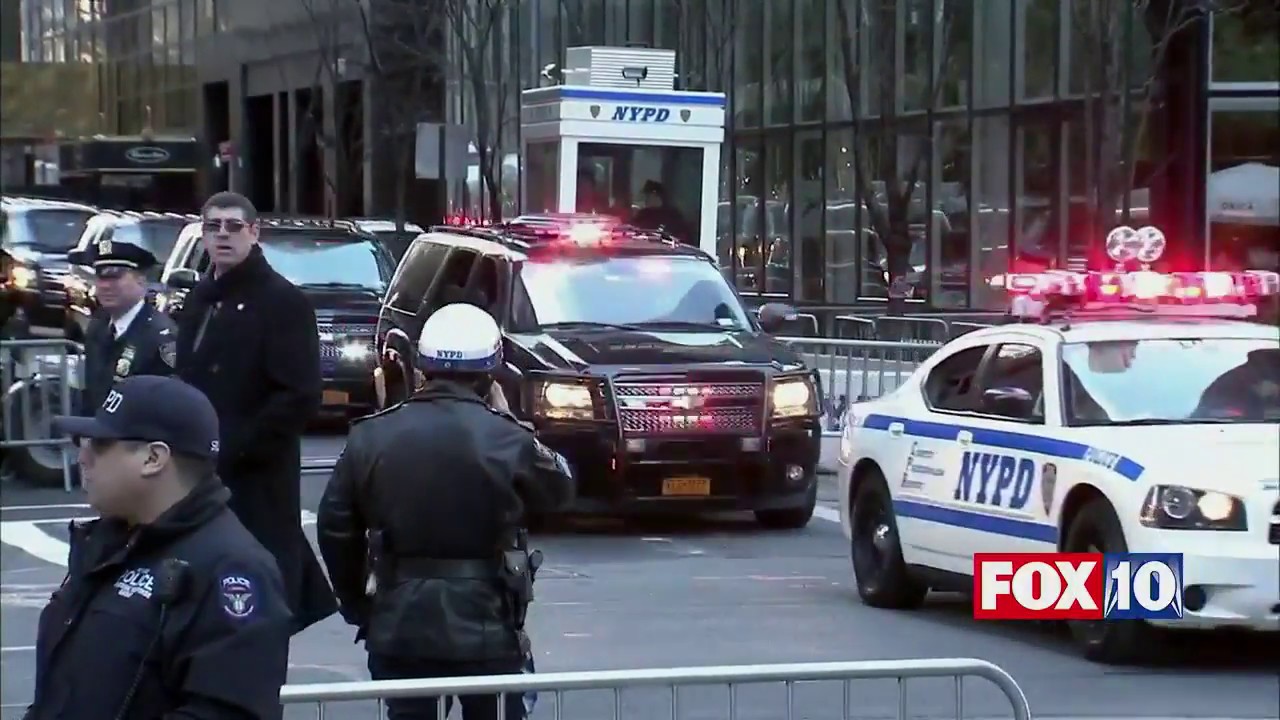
pixel 31 414
pixel 1096 529
pixel 881 573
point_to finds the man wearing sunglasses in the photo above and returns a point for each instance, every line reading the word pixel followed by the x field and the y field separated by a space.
pixel 128 336
pixel 248 339
pixel 170 607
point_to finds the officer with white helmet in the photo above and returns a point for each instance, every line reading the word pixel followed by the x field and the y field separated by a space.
pixel 429 498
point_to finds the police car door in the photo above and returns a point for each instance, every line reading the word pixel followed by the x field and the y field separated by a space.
pixel 1000 452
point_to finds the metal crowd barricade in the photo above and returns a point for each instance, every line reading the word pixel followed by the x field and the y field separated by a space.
pixel 28 370
pixel 673 680
pixel 857 370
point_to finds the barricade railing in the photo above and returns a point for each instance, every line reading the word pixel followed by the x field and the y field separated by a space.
pixel 38 378
pixel 856 370
pixel 906 328
pixel 553 688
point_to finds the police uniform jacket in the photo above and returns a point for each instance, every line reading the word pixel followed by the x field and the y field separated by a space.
pixel 218 651
pixel 440 477
pixel 146 347
pixel 248 339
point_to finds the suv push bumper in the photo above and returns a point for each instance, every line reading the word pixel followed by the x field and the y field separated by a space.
pixel 689 472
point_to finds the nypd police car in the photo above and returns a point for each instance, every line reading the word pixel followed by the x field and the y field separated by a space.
pixel 1139 414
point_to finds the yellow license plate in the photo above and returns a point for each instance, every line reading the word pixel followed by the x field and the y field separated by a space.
pixel 335 397
pixel 686 486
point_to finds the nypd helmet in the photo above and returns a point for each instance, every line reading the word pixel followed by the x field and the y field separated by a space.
pixel 460 338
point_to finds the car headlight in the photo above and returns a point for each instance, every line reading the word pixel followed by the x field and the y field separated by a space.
pixel 793 398
pixel 354 352
pixel 25 277
pixel 565 401
pixel 1174 507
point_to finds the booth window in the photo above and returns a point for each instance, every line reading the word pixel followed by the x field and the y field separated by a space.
pixel 643 184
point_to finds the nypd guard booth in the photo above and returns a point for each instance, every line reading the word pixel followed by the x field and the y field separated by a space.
pixel 616 127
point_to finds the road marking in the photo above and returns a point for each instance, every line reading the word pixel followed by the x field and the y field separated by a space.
pixel 830 514
pixel 27 536
pixel 30 539
pixel 72 506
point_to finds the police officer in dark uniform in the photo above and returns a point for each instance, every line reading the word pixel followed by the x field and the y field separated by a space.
pixel 170 608
pixel 434 490
pixel 127 336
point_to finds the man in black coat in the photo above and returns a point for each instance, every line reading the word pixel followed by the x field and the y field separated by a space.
pixel 127 336
pixel 169 608
pixel 248 338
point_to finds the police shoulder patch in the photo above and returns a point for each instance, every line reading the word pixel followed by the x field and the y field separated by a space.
pixel 238 596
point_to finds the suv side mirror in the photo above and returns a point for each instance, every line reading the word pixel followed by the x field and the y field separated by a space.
pixel 774 316
pixel 182 278
pixel 1011 402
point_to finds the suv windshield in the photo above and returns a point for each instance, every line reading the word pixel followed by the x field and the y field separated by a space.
pixel 1156 382
pixel 157 237
pixel 677 291
pixel 50 229
pixel 331 262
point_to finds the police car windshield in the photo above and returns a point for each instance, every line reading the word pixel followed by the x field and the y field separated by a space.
pixel 672 292
pixel 1159 382
pixel 157 237
pixel 328 263
pixel 49 229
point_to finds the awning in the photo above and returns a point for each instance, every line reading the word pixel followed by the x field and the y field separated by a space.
pixel 132 155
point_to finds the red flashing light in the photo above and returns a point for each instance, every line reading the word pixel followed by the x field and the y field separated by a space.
pixel 1144 287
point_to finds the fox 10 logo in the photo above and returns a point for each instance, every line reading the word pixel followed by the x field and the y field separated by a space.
pixel 1077 586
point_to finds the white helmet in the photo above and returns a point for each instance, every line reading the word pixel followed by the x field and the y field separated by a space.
pixel 460 338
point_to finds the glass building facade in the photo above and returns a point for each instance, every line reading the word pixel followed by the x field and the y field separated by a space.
pixel 139 54
pixel 958 128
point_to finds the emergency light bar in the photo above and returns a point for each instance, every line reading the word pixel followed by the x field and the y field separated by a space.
pixel 1141 287
pixel 576 229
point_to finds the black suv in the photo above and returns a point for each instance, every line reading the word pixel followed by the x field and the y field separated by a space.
pixel 343 270
pixel 37 235
pixel 632 356
pixel 156 232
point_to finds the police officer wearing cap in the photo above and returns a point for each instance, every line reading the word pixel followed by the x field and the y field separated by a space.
pixel 170 608
pixel 127 336
pixel 434 491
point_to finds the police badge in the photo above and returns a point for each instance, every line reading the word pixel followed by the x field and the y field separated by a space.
pixel 104 247
pixel 1048 483
pixel 125 362
pixel 169 353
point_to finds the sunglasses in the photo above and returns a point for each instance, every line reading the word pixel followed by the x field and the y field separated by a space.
pixel 231 225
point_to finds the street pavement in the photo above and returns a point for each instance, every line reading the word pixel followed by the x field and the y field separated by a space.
pixel 712 591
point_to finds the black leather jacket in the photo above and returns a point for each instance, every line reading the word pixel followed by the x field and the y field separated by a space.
pixel 440 478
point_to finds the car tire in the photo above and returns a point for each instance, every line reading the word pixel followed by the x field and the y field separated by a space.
pixel 1097 529
pixel 876 551
pixel 791 518
pixel 37 465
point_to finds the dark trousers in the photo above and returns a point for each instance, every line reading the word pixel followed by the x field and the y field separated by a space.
pixel 474 707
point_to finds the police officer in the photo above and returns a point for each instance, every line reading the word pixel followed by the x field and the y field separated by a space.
pixel 434 490
pixel 170 608
pixel 127 336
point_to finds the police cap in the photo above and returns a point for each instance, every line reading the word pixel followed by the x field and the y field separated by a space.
pixel 110 257
pixel 151 408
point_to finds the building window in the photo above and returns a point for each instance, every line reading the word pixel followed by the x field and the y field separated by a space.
pixel 1245 46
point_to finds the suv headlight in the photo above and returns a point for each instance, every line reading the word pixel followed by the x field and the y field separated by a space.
pixel 793 397
pixel 25 277
pixel 1174 507
pixel 560 400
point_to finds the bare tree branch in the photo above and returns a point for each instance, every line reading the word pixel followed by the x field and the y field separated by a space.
pixel 1117 102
